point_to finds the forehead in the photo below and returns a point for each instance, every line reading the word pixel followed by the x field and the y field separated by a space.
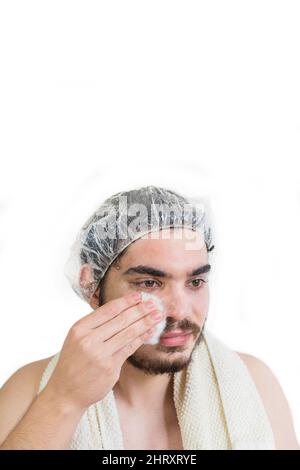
pixel 182 248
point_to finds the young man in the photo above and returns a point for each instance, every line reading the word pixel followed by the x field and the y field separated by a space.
pixel 109 388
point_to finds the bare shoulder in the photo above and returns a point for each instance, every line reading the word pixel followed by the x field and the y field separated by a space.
pixel 17 394
pixel 28 376
pixel 274 400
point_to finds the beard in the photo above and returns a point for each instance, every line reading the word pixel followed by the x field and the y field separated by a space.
pixel 153 364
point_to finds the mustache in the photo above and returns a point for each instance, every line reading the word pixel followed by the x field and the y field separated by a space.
pixel 184 325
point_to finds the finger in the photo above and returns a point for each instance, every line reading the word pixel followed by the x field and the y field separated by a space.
pixel 135 330
pixel 109 310
pixel 122 354
pixel 123 320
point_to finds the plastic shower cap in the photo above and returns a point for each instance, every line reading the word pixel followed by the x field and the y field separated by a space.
pixel 122 219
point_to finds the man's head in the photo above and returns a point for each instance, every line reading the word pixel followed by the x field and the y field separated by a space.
pixel 166 256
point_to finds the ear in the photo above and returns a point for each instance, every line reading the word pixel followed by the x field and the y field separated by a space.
pixel 87 284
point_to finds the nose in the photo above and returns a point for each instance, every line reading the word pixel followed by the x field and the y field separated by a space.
pixel 176 305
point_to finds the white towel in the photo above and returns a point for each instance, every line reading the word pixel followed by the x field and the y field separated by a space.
pixel 216 401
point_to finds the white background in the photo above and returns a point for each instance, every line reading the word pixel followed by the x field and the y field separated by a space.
pixel 199 97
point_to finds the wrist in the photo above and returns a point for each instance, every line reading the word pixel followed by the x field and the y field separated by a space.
pixel 62 406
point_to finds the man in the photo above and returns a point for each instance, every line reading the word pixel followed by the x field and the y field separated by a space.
pixel 108 387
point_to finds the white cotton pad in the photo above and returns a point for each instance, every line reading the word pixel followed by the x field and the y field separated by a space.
pixel 159 327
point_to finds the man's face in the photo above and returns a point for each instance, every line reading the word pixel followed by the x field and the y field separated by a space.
pixel 167 265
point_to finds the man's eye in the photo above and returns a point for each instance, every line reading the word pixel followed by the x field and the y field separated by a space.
pixel 148 283
pixel 198 282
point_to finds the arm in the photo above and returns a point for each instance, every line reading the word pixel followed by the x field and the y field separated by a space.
pixel 31 421
pixel 275 403
pixel 89 366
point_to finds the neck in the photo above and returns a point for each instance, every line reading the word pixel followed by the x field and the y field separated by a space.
pixel 137 389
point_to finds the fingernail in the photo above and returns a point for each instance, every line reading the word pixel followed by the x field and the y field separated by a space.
pixel 136 296
pixel 150 304
pixel 156 315
pixel 148 334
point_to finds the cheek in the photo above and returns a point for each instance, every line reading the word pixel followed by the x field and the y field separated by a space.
pixel 201 306
pixel 115 286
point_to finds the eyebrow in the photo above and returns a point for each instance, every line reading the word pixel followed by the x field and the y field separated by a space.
pixel 141 269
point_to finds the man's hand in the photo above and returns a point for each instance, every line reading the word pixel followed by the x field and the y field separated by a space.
pixel 96 348
pixel 88 367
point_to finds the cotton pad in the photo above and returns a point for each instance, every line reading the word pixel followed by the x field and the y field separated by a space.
pixel 159 327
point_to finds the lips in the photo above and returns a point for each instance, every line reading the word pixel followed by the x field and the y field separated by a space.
pixel 176 338
pixel 175 333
